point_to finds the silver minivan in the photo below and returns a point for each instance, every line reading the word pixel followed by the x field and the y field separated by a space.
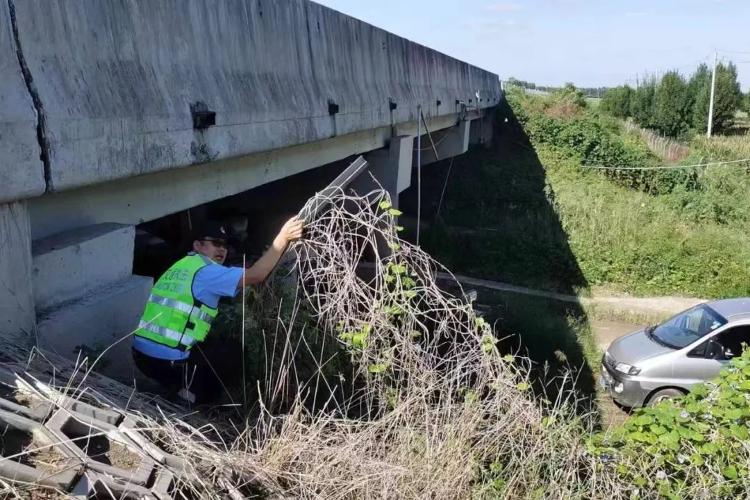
pixel 664 361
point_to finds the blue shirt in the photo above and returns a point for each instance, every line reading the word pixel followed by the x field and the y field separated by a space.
pixel 211 283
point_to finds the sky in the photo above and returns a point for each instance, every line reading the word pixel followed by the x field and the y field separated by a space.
pixel 587 42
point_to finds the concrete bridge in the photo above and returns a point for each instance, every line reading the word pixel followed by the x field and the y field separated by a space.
pixel 115 113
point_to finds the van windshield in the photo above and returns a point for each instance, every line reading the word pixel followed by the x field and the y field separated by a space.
pixel 687 327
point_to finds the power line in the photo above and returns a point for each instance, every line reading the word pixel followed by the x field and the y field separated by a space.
pixel 669 167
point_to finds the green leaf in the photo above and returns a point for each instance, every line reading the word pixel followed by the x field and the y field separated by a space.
pixel 395 212
pixel 394 310
pixel 385 205
pixel 522 386
pixel 658 429
pixel 733 413
pixel 508 358
pixel 644 420
pixel 670 439
pixel 709 449
pixel 739 432
pixel 699 390
pixel 730 472
pixel 548 421
pixel 394 246
pixel 696 460
pixel 377 368
pixel 398 268
pixel 399 228
pixel 359 340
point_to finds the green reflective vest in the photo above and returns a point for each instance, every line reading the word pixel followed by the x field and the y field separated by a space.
pixel 173 317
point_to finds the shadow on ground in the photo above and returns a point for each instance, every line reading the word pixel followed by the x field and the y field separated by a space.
pixel 497 221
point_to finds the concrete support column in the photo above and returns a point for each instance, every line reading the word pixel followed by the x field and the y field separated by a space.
pixel 17 313
pixel 482 129
pixel 391 167
pixel 450 142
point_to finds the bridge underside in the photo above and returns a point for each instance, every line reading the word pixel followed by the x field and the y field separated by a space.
pixel 116 114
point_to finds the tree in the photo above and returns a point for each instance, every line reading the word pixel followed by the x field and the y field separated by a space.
pixel 617 101
pixel 672 105
pixel 642 104
pixel 698 81
pixel 727 100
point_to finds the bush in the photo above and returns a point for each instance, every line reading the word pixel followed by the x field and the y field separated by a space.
pixel 700 438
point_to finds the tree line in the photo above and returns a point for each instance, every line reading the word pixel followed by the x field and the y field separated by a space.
pixel 676 106
pixel 587 91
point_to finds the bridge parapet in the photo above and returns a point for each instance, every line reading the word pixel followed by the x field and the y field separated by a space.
pixel 131 88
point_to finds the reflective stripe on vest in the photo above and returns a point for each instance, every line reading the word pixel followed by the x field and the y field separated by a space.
pixel 172 316
pixel 193 311
pixel 185 340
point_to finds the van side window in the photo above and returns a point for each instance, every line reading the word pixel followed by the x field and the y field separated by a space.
pixel 733 339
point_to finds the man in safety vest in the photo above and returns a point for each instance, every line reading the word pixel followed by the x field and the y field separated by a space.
pixel 184 302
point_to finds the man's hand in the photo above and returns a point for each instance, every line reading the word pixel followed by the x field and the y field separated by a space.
pixel 290 231
pixel 258 272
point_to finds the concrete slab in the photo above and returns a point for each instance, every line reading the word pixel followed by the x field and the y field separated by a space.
pixel 102 320
pixel 70 264
pixel 21 169
pixel 17 311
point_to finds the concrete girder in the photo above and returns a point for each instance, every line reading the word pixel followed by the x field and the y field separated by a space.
pixel 147 197
pixel 450 142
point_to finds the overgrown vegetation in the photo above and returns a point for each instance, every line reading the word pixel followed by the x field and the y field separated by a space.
pixel 529 213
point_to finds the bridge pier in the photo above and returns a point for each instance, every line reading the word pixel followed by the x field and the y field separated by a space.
pixel 448 143
pixel 17 311
pixel 391 166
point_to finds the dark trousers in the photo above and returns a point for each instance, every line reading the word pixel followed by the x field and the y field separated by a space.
pixel 206 372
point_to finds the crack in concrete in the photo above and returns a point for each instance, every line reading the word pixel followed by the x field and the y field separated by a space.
pixel 41 124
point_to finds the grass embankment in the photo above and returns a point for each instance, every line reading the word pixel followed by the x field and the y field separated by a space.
pixel 527 212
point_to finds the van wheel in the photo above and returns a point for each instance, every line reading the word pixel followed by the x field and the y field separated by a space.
pixel 663 395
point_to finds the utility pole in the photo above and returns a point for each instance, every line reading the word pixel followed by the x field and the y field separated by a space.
pixel 713 90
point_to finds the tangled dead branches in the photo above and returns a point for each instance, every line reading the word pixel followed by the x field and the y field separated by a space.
pixel 436 405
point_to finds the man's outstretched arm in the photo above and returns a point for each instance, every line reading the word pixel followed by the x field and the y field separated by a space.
pixel 259 271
